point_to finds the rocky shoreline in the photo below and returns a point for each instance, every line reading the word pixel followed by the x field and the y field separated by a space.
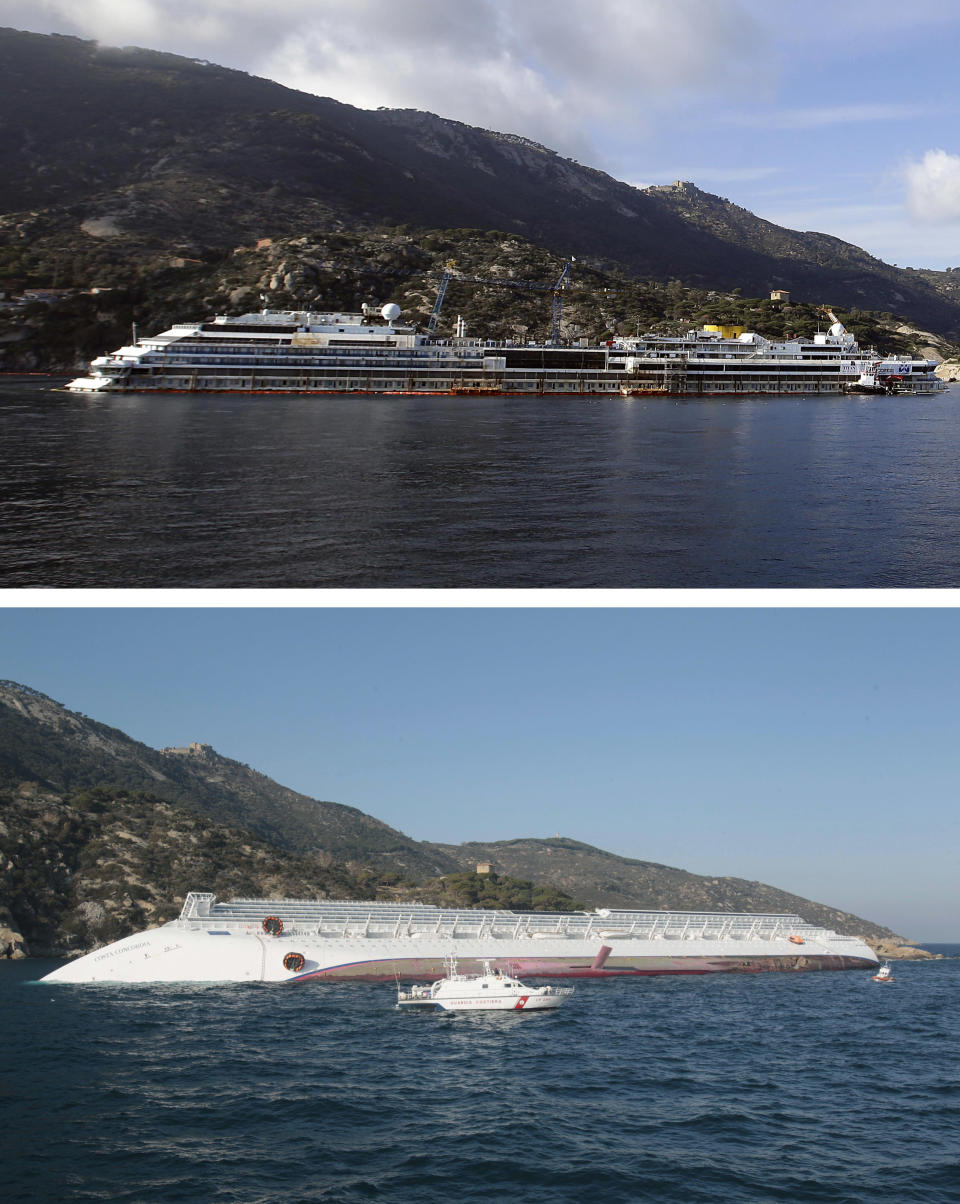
pixel 12 944
pixel 889 951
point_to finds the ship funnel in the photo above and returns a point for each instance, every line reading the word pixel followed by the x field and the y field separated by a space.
pixel 601 957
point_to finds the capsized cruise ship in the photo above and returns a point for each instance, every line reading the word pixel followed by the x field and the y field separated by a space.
pixel 374 352
pixel 287 940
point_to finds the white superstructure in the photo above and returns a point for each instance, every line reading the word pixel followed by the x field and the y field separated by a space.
pixel 374 352
pixel 286 940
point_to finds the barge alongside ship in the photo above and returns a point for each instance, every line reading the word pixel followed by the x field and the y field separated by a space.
pixel 373 352
pixel 268 940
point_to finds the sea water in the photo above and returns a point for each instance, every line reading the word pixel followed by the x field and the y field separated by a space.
pixel 426 492
pixel 772 1087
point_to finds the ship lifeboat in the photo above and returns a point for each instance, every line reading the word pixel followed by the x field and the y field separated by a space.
pixel 796 940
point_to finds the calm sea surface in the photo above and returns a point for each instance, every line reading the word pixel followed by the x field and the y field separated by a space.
pixel 807 1087
pixel 287 491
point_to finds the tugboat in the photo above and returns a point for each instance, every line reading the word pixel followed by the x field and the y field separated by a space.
pixel 884 974
pixel 491 991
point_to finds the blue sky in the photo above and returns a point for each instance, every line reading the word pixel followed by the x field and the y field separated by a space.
pixel 840 118
pixel 813 749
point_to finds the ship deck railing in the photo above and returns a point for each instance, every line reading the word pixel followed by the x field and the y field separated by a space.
pixel 347 920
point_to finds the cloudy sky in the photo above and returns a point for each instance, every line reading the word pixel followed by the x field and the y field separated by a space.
pixel 833 117
pixel 812 749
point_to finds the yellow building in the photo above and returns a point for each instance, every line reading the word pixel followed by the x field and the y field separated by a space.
pixel 727 332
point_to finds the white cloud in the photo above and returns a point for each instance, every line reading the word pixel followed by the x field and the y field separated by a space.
pixel 933 187
pixel 133 22
pixel 458 68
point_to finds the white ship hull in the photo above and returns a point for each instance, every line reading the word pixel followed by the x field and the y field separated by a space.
pixel 228 944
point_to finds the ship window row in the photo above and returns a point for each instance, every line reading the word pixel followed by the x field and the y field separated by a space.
pixel 235 340
pixel 318 363
pixel 285 350
pixel 312 356
pixel 667 359
pixel 404 384
pixel 455 375
pixel 475 375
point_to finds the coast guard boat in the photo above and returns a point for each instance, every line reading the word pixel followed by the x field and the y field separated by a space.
pixel 289 940
pixel 489 991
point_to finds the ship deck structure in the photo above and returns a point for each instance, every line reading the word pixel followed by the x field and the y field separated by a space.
pixel 271 940
pixel 374 352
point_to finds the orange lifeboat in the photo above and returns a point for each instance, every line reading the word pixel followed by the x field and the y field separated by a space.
pixel 796 940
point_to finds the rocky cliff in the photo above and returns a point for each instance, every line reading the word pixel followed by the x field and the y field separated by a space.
pixel 87 868
pixel 65 751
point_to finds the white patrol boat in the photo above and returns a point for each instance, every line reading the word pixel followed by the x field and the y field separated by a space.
pixel 490 991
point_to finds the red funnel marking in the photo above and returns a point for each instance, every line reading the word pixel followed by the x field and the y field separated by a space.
pixel 601 957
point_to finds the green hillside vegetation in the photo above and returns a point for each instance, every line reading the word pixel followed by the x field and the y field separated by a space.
pixel 65 751
pixel 603 879
pixel 336 270
pixel 497 892
pixel 86 868
pixel 92 866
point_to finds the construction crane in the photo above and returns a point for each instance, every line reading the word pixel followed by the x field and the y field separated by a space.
pixel 558 302
pixel 441 293
pixel 533 285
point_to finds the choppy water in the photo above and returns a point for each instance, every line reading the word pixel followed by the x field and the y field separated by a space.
pixel 419 492
pixel 809 1087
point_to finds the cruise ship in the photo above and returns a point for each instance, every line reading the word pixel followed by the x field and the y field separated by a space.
pixel 295 941
pixel 374 352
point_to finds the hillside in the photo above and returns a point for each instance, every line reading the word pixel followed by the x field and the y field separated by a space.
pixel 83 869
pixel 145 826
pixel 41 741
pixel 113 162
pixel 603 879
pixel 344 270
